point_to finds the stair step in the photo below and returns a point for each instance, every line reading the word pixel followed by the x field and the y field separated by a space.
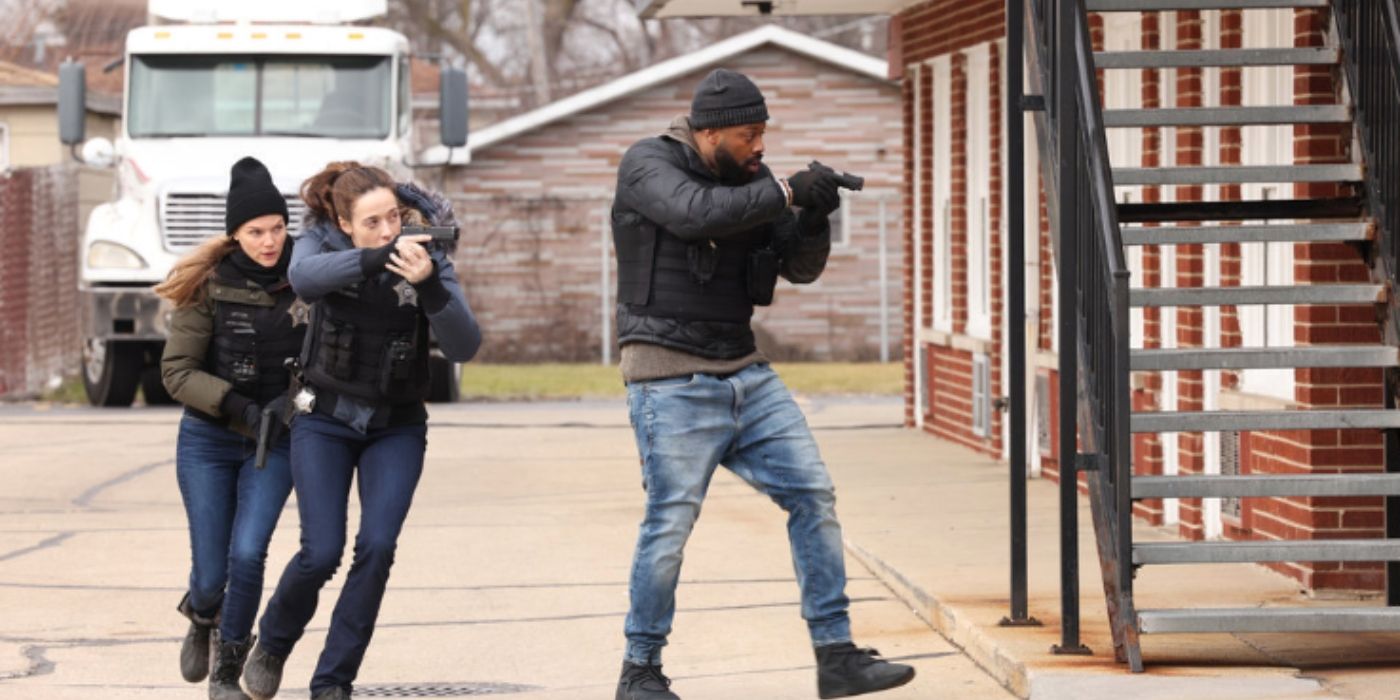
pixel 1265 550
pixel 1265 358
pixel 1227 116
pixel 1211 421
pixel 1205 175
pixel 1363 619
pixel 1254 296
pixel 1185 235
pixel 1245 210
pixel 1266 486
pixel 1110 60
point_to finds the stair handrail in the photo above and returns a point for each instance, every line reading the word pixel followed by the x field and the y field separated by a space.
pixel 1100 302
pixel 1370 35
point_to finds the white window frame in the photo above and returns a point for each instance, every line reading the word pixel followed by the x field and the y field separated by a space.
pixel 4 147
pixel 921 389
pixel 1267 263
pixel 942 198
pixel 981 395
pixel 979 192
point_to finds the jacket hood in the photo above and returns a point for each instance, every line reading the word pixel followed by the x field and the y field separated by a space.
pixel 681 131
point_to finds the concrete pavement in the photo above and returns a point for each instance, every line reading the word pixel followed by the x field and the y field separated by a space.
pixel 510 577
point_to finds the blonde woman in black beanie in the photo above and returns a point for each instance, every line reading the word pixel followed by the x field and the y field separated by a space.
pixel 236 320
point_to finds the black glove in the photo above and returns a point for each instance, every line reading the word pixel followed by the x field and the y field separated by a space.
pixel 373 260
pixel 242 409
pixel 814 190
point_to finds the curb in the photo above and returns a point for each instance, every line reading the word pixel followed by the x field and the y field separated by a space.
pixel 946 620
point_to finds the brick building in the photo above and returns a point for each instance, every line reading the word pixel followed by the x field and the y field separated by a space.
pixel 950 57
pixel 536 254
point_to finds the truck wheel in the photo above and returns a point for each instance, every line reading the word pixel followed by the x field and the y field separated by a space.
pixel 153 389
pixel 444 380
pixel 111 371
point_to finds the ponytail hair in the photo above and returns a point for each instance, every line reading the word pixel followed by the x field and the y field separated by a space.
pixel 330 194
pixel 186 284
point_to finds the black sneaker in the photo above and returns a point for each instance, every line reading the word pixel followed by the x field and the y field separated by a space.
pixel 644 683
pixel 195 649
pixel 263 673
pixel 228 667
pixel 332 693
pixel 844 670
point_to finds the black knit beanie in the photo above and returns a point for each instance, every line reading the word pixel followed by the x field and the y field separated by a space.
pixel 726 98
pixel 251 194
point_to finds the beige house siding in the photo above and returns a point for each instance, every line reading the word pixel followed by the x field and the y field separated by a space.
pixel 534 209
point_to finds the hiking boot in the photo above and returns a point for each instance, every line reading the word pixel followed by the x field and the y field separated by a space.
pixel 263 673
pixel 195 649
pixel 332 693
pixel 228 667
pixel 844 670
pixel 644 683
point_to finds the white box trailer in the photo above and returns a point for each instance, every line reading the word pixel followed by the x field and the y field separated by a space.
pixel 295 85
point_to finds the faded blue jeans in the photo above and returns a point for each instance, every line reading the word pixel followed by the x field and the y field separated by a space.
pixel 748 422
pixel 232 508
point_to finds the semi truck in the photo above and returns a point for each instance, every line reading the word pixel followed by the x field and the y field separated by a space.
pixel 293 84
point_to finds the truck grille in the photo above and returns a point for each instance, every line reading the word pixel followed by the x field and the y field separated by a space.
pixel 189 218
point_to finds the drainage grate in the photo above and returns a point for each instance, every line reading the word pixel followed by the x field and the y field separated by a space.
pixel 438 690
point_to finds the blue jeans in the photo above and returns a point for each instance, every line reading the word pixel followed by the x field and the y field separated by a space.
pixel 325 456
pixel 232 508
pixel 748 422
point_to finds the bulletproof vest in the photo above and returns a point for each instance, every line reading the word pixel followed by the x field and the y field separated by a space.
pixel 371 342
pixel 696 297
pixel 251 342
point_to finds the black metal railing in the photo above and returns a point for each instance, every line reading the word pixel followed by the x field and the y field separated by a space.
pixel 1095 405
pixel 1370 34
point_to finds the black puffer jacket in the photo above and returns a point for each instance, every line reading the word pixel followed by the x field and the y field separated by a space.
pixel 673 221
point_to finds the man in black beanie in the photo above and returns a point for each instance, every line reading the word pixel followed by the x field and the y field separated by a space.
pixel 702 231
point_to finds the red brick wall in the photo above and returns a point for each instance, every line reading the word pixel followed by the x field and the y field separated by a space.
pixel 38 279
pixel 533 209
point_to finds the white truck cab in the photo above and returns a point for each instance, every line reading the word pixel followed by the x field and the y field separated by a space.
pixel 293 84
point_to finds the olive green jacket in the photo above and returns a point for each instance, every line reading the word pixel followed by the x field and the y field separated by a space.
pixel 183 364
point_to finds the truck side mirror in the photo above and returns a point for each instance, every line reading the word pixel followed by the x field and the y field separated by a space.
pixel 452 107
pixel 72 102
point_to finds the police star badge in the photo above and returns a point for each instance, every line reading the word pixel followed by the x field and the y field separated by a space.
pixel 408 296
pixel 300 311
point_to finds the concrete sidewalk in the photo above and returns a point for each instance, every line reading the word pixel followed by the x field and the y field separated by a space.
pixel 931 520
pixel 510 578
pixel 511 575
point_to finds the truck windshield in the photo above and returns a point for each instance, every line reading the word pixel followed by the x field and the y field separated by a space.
pixel 202 95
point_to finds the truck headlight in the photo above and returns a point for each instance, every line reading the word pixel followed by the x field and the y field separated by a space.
pixel 104 254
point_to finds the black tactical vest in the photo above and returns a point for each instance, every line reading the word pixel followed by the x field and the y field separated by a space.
pixel 370 342
pixel 252 341
pixel 693 297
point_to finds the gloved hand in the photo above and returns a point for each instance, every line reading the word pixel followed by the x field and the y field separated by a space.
pixel 814 190
pixel 242 410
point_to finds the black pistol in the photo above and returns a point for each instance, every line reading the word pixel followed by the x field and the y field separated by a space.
pixel 439 234
pixel 845 180
pixel 269 416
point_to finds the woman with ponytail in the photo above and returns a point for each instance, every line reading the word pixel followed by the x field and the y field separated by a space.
pixel 235 322
pixel 361 415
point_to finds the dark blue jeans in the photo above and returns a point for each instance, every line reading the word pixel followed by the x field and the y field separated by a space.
pixel 232 509
pixel 325 456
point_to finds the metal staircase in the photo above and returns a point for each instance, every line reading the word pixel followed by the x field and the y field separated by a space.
pixel 1092 233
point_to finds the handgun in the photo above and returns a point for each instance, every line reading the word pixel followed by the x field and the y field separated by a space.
pixel 846 180
pixel 269 416
pixel 439 234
